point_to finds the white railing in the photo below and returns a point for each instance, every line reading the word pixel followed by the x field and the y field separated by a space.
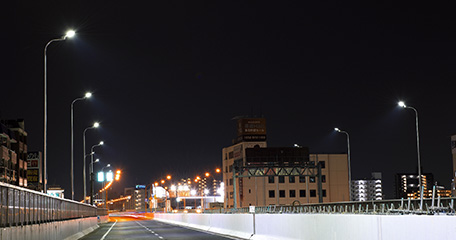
pixel 20 206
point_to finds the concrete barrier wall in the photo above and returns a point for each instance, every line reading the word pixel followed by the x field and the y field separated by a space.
pixel 68 230
pixel 320 226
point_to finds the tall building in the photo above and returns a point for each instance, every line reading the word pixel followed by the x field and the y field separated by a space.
pixel 365 190
pixel 13 164
pixel 258 175
pixel 407 184
pixel 453 151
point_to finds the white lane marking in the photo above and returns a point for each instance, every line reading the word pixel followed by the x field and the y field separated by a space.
pixel 102 238
pixel 156 234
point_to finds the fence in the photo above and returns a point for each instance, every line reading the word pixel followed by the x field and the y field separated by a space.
pixel 400 206
pixel 20 206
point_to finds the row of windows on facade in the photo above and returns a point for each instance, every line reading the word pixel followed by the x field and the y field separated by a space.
pixel 229 169
pixel 291 179
pixel 291 193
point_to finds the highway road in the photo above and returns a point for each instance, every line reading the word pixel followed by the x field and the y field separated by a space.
pixel 146 229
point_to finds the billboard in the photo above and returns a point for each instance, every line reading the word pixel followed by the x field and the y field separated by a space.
pixel 34 171
pixel 251 129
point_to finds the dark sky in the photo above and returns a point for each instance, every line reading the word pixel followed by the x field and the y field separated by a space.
pixel 168 77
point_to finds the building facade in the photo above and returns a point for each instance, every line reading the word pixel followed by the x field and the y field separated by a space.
pixel 407 184
pixel 13 163
pixel 279 188
pixel 365 190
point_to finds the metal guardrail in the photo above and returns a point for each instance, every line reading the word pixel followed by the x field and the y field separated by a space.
pixel 20 206
pixel 382 207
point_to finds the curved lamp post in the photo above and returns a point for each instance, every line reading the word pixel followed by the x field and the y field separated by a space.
pixel 402 105
pixel 86 96
pixel 91 170
pixel 349 164
pixel 68 34
pixel 95 125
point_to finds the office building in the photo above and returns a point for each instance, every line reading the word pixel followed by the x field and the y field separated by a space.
pixel 279 176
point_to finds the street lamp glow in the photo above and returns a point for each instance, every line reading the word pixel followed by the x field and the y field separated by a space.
pixel 96 124
pixel 337 129
pixel 173 187
pixel 193 192
pixel 88 95
pixel 101 143
pixel 206 191
pixel 401 104
pixel 70 34
pixel 97 160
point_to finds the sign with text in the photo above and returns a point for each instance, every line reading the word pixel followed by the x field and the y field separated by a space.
pixel 34 171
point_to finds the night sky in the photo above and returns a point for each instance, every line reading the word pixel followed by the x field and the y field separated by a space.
pixel 169 76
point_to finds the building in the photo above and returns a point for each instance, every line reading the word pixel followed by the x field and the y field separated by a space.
pixel 13 164
pixel 365 190
pixel 453 151
pixel 257 175
pixel 407 184
pixel 139 198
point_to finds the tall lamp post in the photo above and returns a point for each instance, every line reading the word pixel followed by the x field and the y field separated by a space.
pixel 91 170
pixel 68 34
pixel 86 96
pixel 95 125
pixel 402 105
pixel 349 164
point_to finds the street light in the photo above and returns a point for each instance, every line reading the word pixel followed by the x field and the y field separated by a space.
pixel 95 125
pixel 91 170
pixel 349 164
pixel 402 105
pixel 86 96
pixel 69 34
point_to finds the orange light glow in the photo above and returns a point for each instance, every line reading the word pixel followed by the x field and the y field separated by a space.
pixel 217 170
pixel 162 181
pixel 196 180
pixel 198 177
pixel 156 183
pixel 168 177
pixel 207 174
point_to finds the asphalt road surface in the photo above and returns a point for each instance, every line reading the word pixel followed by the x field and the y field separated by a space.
pixel 146 229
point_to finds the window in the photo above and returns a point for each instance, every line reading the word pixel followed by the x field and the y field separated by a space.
pixel 313 193
pixel 281 179
pixel 323 192
pixel 250 191
pixel 271 194
pixel 231 181
pixel 312 179
pixel 323 178
pixel 302 179
pixel 271 179
pixel 291 179
pixel 322 164
pixel 302 193
pixel 292 193
pixel 282 193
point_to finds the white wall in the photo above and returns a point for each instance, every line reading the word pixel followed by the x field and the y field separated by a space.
pixel 320 226
pixel 71 229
